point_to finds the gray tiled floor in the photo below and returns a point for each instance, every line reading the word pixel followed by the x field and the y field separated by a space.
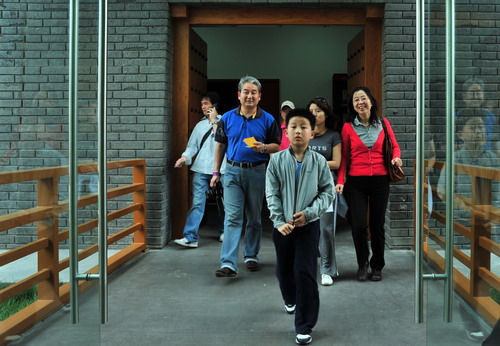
pixel 171 297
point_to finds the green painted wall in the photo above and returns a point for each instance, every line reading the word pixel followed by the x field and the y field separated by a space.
pixel 303 58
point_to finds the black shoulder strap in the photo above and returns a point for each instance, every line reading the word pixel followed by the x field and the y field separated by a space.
pixel 384 126
pixel 205 137
pixel 387 144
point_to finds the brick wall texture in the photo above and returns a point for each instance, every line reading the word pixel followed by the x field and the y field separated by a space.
pixel 34 93
pixel 34 101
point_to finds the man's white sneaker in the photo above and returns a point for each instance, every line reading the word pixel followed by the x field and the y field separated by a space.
pixel 186 243
pixel 303 339
pixel 326 280
pixel 221 238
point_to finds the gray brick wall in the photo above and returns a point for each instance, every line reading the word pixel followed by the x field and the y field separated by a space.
pixel 34 94
pixel 398 83
pixel 34 84
pixel 139 33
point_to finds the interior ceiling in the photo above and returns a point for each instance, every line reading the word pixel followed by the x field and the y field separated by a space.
pixel 262 26
pixel 280 6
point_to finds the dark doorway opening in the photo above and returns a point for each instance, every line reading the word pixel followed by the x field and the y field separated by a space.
pixel 186 78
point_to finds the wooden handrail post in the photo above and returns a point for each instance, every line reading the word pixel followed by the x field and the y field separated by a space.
pixel 139 177
pixel 479 257
pixel 481 195
pixel 48 258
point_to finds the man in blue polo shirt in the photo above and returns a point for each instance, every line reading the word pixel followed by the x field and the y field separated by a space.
pixel 245 175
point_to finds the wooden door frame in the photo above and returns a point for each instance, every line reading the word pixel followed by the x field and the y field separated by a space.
pixel 183 17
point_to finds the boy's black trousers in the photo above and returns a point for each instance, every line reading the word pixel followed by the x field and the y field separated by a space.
pixel 363 193
pixel 297 256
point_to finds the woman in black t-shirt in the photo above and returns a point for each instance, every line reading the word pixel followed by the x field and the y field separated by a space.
pixel 328 143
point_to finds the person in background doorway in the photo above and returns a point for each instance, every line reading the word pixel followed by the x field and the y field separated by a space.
pixel 202 145
pixel 286 106
pixel 247 135
pixel 299 188
pixel 363 177
pixel 328 143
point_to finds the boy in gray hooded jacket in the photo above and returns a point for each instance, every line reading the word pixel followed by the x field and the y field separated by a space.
pixel 299 188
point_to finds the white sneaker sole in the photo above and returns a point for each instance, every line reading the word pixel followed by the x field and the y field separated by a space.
pixel 181 243
pixel 304 341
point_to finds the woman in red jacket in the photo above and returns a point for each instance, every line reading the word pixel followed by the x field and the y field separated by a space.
pixel 363 177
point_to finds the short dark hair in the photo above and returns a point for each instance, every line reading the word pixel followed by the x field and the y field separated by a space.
pixel 212 96
pixel 373 111
pixel 301 112
pixel 470 82
pixel 330 121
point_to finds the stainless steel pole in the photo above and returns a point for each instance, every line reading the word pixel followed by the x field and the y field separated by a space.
pixel 419 170
pixel 73 158
pixel 102 159
pixel 450 154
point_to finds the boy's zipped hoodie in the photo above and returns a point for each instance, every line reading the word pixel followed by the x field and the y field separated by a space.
pixel 314 190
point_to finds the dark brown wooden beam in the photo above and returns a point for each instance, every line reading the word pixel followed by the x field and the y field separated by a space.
pixel 270 16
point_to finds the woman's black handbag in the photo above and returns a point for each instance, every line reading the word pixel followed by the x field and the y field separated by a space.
pixel 396 173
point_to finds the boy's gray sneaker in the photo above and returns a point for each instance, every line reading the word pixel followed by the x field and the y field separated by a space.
pixel 186 243
pixel 303 339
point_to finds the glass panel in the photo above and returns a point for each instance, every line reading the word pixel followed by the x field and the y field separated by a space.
pixel 477 196
pixel 475 151
pixel 34 136
pixel 465 318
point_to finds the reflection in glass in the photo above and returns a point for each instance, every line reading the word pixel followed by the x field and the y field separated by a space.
pixel 476 195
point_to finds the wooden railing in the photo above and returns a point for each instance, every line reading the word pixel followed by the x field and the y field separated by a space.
pixel 475 289
pixel 45 214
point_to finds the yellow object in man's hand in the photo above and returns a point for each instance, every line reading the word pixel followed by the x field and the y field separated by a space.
pixel 250 142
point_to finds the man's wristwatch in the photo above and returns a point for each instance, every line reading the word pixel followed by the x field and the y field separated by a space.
pixel 265 149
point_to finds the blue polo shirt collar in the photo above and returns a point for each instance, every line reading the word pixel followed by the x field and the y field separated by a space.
pixel 258 114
